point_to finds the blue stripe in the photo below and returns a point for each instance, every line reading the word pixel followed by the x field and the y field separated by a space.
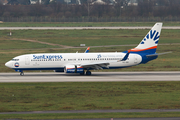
pixel 21 69
pixel 62 69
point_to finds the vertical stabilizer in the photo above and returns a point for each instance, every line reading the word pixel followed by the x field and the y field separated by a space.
pixel 150 41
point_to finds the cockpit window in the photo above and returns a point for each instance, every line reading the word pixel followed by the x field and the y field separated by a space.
pixel 15 59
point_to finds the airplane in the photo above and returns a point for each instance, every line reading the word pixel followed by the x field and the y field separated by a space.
pixel 83 63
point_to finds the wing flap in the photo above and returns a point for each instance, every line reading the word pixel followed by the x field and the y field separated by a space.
pixel 96 66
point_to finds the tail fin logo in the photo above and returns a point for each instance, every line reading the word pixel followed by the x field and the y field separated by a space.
pixel 153 35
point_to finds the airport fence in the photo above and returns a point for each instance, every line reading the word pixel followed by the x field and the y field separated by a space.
pixel 90 19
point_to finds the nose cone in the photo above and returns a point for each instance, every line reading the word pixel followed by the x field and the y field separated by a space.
pixel 8 64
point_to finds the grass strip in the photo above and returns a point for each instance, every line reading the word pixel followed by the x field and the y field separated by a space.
pixel 77 37
pixel 89 96
pixel 90 115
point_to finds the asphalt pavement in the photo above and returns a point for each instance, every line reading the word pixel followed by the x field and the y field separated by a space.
pixel 95 77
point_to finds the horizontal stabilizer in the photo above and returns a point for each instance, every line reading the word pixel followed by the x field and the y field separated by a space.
pixel 152 55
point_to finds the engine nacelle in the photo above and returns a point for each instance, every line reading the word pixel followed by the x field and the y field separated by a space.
pixel 73 69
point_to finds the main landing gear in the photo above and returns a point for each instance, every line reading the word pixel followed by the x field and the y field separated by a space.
pixel 21 74
pixel 88 72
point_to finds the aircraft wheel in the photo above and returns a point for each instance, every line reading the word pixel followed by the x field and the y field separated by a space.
pixel 88 72
pixel 22 74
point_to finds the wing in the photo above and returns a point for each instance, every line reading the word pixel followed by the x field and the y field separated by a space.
pixel 101 65
pixel 95 66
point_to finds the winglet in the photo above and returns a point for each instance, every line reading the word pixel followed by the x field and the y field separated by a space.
pixel 87 50
pixel 126 56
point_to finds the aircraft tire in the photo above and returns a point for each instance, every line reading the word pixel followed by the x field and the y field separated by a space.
pixel 88 72
pixel 22 74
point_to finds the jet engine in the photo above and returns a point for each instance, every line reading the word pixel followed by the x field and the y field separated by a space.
pixel 73 69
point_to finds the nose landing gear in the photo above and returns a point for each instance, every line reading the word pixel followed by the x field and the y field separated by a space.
pixel 21 74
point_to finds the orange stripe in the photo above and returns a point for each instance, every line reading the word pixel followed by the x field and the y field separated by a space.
pixel 137 50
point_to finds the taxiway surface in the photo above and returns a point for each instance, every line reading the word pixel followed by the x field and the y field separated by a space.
pixel 95 77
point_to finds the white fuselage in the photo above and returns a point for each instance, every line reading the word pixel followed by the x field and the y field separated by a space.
pixel 54 61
